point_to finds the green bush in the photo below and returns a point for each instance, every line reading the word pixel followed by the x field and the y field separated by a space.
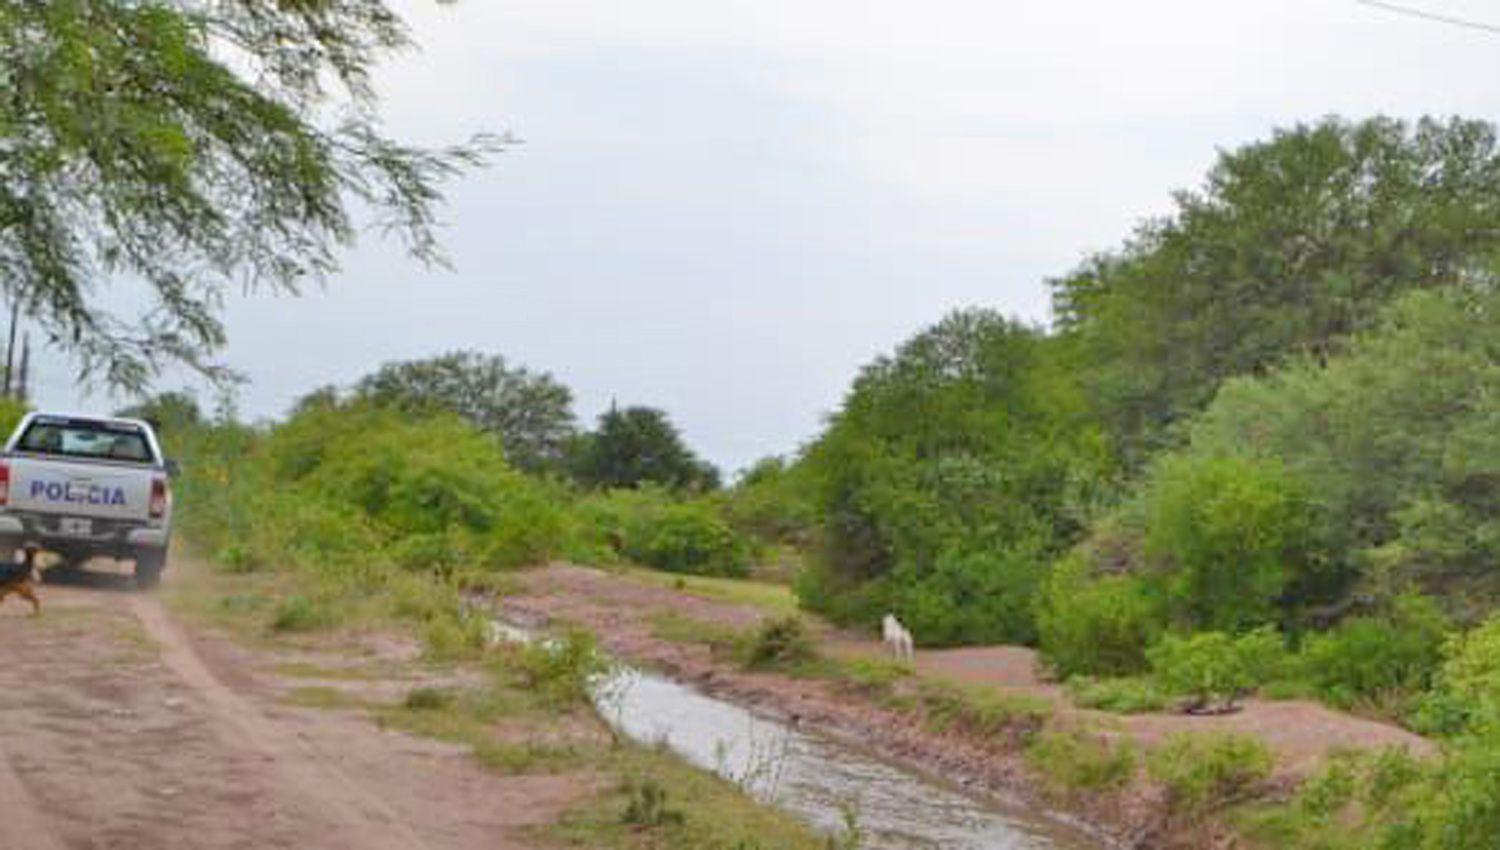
pixel 1377 658
pixel 780 642
pixel 1125 695
pixel 560 671
pixel 1074 761
pixel 982 712
pixel 971 597
pixel 689 537
pixel 773 503
pixel 956 470
pixel 1229 533
pixel 453 637
pixel 303 614
pixel 1203 772
pixel 656 528
pixel 1095 626
pixel 429 699
pixel 1467 691
pixel 1213 666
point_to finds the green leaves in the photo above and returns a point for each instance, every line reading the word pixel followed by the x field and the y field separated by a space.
pixel 530 412
pixel 952 476
pixel 1290 245
pixel 132 148
pixel 636 446
pixel 1228 534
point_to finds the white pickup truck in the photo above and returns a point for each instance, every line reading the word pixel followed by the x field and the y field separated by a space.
pixel 87 486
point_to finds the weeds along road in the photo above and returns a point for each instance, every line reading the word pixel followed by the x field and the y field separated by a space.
pixel 121 727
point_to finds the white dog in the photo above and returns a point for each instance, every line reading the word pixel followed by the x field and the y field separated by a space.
pixel 897 638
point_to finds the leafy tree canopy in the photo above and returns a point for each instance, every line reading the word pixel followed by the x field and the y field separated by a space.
pixel 1386 462
pixel 640 445
pixel 187 147
pixel 173 411
pixel 531 412
pixel 949 479
pixel 1290 244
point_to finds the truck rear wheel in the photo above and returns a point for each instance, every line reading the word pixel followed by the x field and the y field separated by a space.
pixel 149 564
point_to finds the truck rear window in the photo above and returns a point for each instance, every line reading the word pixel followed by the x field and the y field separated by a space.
pixel 81 438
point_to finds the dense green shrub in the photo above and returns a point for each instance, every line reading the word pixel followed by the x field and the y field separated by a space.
pixel 1377 658
pixel 657 528
pixel 773 503
pixel 982 712
pixel 1124 695
pixel 1228 533
pixel 1395 440
pixel 1211 666
pixel 1290 243
pixel 1203 772
pixel 1466 695
pixel 955 471
pixel 1095 626
pixel 971 597
pixel 690 537
pixel 781 642
pixel 560 671
pixel 420 476
pixel 1075 761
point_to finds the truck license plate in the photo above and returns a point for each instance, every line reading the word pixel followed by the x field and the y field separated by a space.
pixel 76 527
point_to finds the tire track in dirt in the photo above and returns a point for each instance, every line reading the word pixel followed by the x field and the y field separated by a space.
pixel 21 826
pixel 361 820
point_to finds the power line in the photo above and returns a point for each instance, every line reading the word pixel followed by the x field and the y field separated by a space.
pixel 1431 16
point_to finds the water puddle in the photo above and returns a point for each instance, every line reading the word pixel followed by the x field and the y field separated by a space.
pixel 811 776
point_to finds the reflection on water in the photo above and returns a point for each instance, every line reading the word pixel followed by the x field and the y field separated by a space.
pixel 813 777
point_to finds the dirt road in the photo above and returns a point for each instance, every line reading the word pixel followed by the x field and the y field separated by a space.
pixel 120 727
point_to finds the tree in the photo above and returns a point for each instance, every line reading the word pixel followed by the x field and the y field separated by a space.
pixel 640 445
pixel 1325 487
pixel 531 412
pixel 1290 245
pixel 955 470
pixel 191 147
pixel 173 411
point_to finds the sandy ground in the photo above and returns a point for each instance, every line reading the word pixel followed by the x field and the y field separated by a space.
pixel 121 728
pixel 621 610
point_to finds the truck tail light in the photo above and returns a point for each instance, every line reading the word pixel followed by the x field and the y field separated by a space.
pixel 4 482
pixel 158 498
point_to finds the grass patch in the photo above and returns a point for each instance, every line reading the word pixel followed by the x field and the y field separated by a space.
pixel 777 600
pixel 1077 761
pixel 875 678
pixel 1127 695
pixel 659 803
pixel 304 614
pixel 725 642
pixel 1203 773
pixel 323 696
pixel 779 644
pixel 471 718
pixel 981 712
pixel 308 670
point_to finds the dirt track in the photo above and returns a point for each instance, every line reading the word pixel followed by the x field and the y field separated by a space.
pixel 122 728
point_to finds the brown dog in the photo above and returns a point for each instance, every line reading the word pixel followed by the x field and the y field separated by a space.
pixel 22 579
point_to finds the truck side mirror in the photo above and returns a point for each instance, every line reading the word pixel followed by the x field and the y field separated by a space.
pixel 174 468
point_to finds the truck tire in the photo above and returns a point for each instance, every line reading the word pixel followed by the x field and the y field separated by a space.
pixel 149 564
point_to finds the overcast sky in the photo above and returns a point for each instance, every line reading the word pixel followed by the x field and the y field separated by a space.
pixel 724 208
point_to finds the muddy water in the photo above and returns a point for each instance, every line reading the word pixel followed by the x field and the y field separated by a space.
pixel 814 777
